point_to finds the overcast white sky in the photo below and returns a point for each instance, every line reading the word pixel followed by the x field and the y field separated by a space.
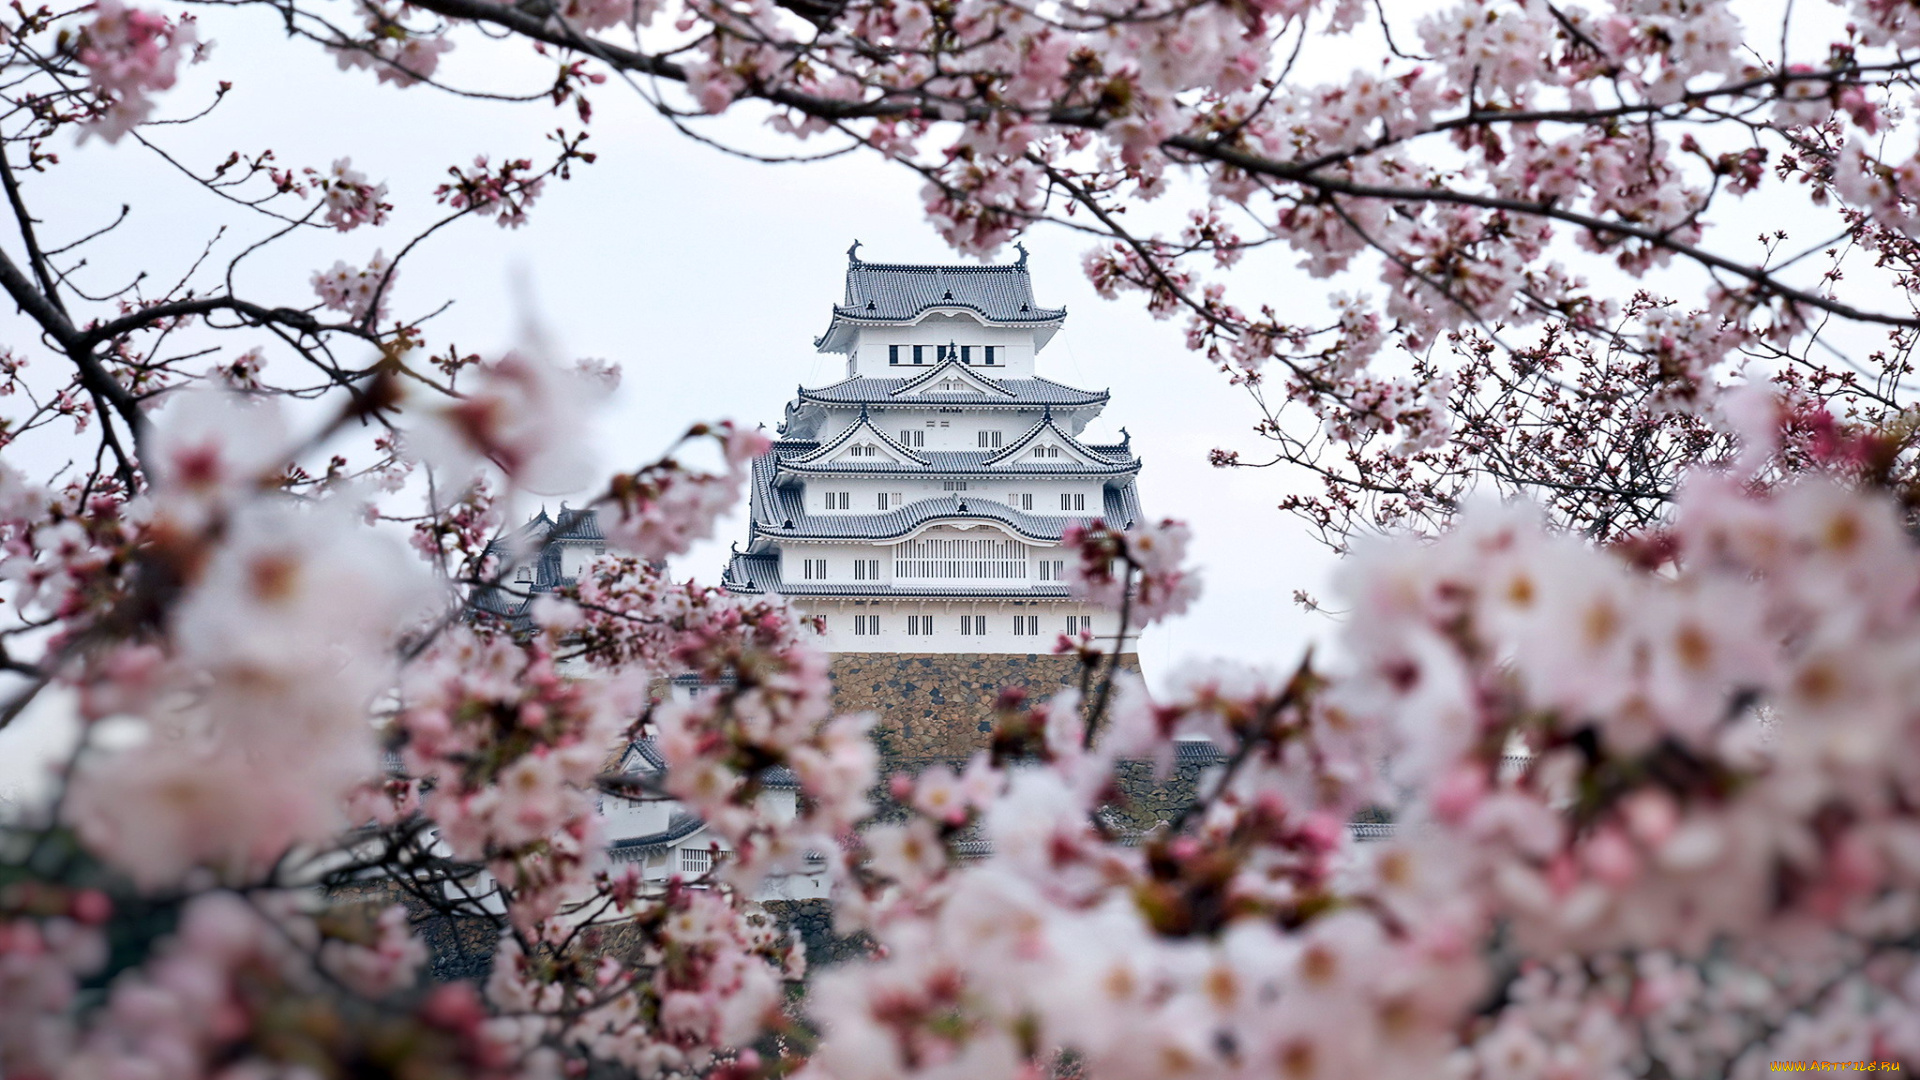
pixel 706 277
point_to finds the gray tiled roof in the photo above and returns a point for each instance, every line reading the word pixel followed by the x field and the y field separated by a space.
pixel 780 512
pixel 897 292
pixel 651 761
pixel 511 598
pixel 958 463
pixel 1028 393
pixel 680 826
pixel 1045 423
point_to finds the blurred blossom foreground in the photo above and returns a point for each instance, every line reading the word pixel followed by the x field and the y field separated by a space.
pixel 1615 772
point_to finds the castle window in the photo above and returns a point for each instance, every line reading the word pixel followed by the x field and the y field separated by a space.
pixel 990 349
pixel 866 569
pixel 1079 624
pixel 1021 501
pixel 973 624
pixel 694 862
pixel 525 573
pixel 866 625
pixel 919 354
pixel 913 438
pixel 893 355
pixel 1046 451
pixel 1053 569
pixel 953 485
pixel 881 500
pixel 937 558
pixel 839 500
pixel 813 569
pixel 1026 625
pixel 989 440
pixel 1076 501
pixel 966 354
pixel 919 625
pixel 939 352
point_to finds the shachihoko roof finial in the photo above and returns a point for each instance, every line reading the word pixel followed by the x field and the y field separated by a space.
pixel 1022 249
pixel 853 252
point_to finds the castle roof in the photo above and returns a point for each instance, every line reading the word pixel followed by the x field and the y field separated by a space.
pixel 1019 393
pixel 781 513
pixel 902 292
pixel 803 456
pixel 536 546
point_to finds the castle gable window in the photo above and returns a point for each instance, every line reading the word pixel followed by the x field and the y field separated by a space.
pixel 938 558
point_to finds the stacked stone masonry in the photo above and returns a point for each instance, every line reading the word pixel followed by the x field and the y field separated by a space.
pixel 939 706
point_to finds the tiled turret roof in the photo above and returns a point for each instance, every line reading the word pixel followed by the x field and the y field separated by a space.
pixel 782 513
pixel 793 457
pixel 901 292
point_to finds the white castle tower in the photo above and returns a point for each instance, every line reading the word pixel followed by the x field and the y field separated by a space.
pixel 917 505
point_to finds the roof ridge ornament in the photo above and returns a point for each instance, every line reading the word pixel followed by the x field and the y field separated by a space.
pixel 853 257
pixel 1017 246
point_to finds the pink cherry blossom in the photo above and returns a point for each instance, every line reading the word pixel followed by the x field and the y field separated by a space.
pixel 130 53
pixel 361 293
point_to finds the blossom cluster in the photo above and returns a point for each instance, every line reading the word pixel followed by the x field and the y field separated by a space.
pixel 360 292
pixel 1140 569
pixel 510 751
pixel 129 54
pixel 350 200
pixel 503 193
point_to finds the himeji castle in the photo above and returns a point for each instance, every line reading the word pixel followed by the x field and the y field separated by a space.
pixel 917 505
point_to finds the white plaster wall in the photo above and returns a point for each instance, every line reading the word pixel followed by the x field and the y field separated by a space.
pixel 574 556
pixel 840 559
pixel 1014 356
pixel 627 817
pixel 946 637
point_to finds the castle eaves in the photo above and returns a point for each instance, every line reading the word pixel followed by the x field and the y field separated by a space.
pixel 1025 393
pixel 781 514
pixel 902 292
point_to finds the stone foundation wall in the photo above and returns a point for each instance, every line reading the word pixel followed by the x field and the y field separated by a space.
pixel 939 706
pixel 812 922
